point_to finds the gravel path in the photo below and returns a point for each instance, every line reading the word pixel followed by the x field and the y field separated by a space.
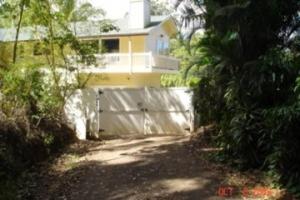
pixel 132 169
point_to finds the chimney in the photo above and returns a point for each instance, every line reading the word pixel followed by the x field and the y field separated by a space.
pixel 139 14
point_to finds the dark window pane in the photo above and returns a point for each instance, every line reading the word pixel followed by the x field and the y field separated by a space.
pixel 37 49
pixel 111 45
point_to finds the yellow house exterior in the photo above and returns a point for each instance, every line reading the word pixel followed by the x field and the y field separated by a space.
pixel 136 54
pixel 123 94
pixel 138 43
pixel 26 54
pixel 140 59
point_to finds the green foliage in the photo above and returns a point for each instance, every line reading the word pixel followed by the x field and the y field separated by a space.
pixel 159 8
pixel 85 12
pixel 33 91
pixel 42 87
pixel 49 140
pixel 60 42
pixel 190 65
pixel 27 88
pixel 7 190
pixel 6 13
pixel 250 85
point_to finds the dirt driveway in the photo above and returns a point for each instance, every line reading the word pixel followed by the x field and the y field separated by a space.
pixel 132 169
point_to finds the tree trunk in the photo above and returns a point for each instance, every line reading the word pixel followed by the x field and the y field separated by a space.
pixel 22 6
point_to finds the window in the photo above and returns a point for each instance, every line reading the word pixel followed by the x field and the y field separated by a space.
pixel 37 49
pixel 110 45
pixel 21 50
pixel 162 47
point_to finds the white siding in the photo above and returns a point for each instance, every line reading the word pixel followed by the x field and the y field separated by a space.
pixel 139 14
pixel 152 39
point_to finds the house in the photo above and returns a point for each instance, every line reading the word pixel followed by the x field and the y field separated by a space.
pixel 136 54
pixel 123 94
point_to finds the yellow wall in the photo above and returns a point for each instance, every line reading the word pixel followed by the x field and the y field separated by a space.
pixel 5 54
pixel 169 28
pixel 137 44
pixel 134 80
pixel 25 54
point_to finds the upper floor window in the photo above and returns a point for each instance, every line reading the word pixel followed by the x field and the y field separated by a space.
pixel 162 47
pixel 21 51
pixel 111 45
pixel 37 49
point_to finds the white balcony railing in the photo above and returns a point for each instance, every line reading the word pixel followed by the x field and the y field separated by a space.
pixel 131 63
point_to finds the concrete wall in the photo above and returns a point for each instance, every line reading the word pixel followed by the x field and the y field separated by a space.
pixel 81 110
pixel 126 80
pixel 127 111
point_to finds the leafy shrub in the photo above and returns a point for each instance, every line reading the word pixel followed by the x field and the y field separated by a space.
pixel 252 90
pixel 258 116
pixel 283 159
pixel 31 125
pixel 26 90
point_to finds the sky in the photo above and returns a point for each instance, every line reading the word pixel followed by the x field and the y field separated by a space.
pixel 114 8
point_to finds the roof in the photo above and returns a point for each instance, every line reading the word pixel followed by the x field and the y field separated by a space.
pixel 26 33
pixel 81 29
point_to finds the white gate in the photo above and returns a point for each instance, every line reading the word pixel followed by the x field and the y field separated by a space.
pixel 145 111
pixel 120 112
pixel 127 111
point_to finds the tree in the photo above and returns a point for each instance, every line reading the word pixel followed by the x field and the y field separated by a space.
pixel 159 8
pixel 55 18
pixel 86 12
pixel 189 16
pixel 252 77
pixel 22 5
pixel 190 64
pixel 7 13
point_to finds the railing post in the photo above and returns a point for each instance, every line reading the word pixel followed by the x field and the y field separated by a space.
pixel 130 54
pixel 150 59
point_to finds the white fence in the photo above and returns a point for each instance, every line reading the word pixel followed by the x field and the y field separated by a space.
pixel 128 111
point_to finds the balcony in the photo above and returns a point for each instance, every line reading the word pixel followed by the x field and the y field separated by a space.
pixel 131 63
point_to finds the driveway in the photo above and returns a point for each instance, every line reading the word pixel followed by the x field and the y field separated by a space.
pixel 132 169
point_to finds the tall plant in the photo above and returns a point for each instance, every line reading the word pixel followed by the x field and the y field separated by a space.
pixel 58 40
pixel 22 5
pixel 253 70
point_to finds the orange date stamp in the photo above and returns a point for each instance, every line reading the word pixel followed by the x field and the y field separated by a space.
pixel 257 192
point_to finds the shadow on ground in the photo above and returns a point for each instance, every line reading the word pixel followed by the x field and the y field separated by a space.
pixel 135 169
